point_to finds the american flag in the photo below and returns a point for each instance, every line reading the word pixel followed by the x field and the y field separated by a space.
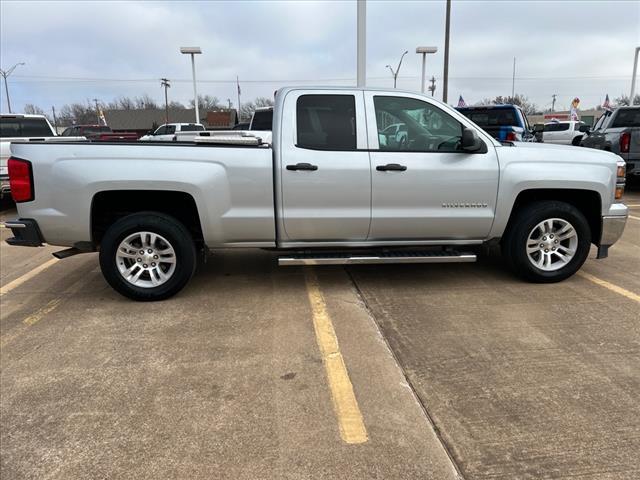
pixel 606 105
pixel 461 102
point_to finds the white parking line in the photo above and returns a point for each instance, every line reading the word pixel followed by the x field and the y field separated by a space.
pixel 27 276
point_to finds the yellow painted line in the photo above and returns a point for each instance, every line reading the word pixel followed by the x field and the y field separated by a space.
pixel 350 422
pixel 610 286
pixel 635 218
pixel 42 312
pixel 633 205
pixel 27 276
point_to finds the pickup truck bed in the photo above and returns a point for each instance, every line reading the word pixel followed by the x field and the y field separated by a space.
pixel 331 188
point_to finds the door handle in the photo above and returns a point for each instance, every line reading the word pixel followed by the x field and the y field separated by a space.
pixel 394 167
pixel 302 166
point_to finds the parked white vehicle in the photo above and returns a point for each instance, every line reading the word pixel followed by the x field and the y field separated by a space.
pixel 563 133
pixel 23 128
pixel 168 131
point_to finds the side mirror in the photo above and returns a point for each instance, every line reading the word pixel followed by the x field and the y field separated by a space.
pixel 470 140
pixel 585 128
pixel 538 128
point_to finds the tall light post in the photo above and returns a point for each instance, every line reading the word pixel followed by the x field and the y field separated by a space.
pixel 5 74
pixel 397 71
pixel 633 77
pixel 445 76
pixel 193 51
pixel 361 44
pixel 424 51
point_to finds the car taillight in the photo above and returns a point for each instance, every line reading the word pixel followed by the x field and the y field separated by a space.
pixel 511 137
pixel 625 142
pixel 20 179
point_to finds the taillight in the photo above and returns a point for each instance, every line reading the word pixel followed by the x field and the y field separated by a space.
pixel 625 142
pixel 511 137
pixel 20 179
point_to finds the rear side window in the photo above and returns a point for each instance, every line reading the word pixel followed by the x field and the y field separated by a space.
pixel 171 129
pixel 627 118
pixel 191 128
pixel 326 122
pixel 262 120
pixel 24 127
pixel 556 127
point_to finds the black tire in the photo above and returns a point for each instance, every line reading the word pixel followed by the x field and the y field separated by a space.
pixel 164 225
pixel 514 244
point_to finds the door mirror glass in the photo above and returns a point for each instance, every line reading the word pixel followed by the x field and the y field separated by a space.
pixel 470 140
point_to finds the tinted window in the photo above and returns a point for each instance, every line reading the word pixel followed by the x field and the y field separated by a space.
pixel 161 131
pixel 627 118
pixel 326 122
pixel 423 127
pixel 262 120
pixel 24 127
pixel 556 127
pixel 494 117
pixel 192 127
pixel 171 129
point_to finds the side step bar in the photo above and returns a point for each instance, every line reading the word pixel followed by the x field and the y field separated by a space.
pixel 386 257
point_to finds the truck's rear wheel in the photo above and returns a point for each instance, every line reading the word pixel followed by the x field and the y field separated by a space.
pixel 147 256
pixel 548 241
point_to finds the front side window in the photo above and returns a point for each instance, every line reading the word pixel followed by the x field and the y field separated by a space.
pixel 326 122
pixel 422 127
pixel 171 129
pixel 161 131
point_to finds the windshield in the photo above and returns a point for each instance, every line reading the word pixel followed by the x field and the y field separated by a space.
pixel 262 120
pixel 24 127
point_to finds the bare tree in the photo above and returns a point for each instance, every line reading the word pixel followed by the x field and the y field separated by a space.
pixel 32 109
pixel 145 102
pixel 623 100
pixel 247 109
pixel 206 103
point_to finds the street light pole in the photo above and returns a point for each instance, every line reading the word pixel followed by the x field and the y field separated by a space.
pixel 395 74
pixel 361 48
pixel 193 51
pixel 445 77
pixel 5 74
pixel 633 77
pixel 424 51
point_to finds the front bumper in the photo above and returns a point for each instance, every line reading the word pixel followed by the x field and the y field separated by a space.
pixel 26 233
pixel 612 229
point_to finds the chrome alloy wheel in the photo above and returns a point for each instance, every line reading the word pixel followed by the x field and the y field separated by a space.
pixel 146 259
pixel 552 244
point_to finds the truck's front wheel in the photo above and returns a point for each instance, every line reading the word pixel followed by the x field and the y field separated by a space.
pixel 547 242
pixel 147 256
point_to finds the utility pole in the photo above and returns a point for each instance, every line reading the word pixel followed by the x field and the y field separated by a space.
pixel 238 85
pixel 55 120
pixel 633 77
pixel 513 80
pixel 5 74
pixel 397 71
pixel 361 44
pixel 553 102
pixel 432 87
pixel 164 82
pixel 445 77
pixel 97 110
pixel 229 103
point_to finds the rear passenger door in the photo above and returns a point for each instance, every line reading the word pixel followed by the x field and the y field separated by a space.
pixel 325 176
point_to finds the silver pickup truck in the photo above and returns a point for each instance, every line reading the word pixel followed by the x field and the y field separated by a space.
pixel 332 187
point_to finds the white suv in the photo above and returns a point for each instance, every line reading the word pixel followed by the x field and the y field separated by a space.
pixel 167 132
pixel 564 133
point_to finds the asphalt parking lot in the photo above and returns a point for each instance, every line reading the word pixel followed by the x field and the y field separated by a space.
pixel 255 371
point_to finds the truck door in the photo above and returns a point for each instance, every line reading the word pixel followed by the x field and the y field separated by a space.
pixel 324 167
pixel 427 188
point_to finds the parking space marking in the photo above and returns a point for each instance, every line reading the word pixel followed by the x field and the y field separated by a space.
pixel 610 286
pixel 27 276
pixel 635 218
pixel 42 312
pixel 350 421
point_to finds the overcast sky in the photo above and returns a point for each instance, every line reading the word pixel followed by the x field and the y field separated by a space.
pixel 76 51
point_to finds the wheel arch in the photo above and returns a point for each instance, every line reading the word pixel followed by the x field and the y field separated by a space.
pixel 108 206
pixel 588 202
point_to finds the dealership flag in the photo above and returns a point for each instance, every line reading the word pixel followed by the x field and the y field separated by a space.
pixel 461 102
pixel 606 105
